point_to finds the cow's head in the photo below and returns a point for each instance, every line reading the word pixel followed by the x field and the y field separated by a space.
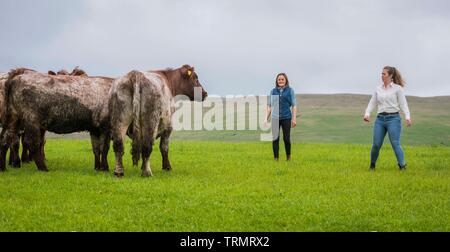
pixel 62 72
pixel 188 84
pixel 78 72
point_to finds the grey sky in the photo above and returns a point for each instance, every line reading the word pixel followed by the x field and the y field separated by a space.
pixel 237 46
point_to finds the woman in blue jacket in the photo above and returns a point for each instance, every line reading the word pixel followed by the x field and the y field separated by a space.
pixel 283 108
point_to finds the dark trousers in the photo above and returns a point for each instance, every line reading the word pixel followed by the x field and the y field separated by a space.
pixel 285 124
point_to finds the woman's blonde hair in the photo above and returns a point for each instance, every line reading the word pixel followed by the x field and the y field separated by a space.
pixel 396 76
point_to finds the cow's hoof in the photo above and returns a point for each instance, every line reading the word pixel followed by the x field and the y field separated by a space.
pixel 100 169
pixel 119 174
pixel 104 168
pixel 166 166
pixel 146 174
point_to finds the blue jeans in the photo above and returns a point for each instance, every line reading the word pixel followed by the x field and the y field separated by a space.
pixel 391 124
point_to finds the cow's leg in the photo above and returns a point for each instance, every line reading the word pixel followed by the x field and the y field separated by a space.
pixel 118 152
pixel 5 141
pixel 95 141
pixel 33 137
pixel 9 132
pixel 120 120
pixel 3 150
pixel 10 156
pixel 164 148
pixel 14 158
pixel 25 150
pixel 118 136
pixel 147 148
pixel 149 127
pixel 42 144
pixel 105 142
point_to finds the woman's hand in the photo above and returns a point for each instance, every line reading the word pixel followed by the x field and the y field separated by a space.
pixel 366 118
pixel 408 122
pixel 294 122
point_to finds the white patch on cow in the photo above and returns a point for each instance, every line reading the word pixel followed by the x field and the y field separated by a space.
pixel 147 172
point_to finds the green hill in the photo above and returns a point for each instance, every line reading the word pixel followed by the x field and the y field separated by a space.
pixel 337 118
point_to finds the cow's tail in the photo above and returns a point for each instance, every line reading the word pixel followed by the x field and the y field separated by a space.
pixel 138 79
pixel 9 83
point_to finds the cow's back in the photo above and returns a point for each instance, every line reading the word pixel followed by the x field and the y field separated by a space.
pixel 62 104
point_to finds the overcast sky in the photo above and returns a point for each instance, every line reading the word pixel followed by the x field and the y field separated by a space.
pixel 237 46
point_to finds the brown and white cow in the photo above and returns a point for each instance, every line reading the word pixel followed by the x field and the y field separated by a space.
pixel 61 104
pixel 143 103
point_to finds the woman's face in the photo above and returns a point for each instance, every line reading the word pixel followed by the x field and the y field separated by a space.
pixel 281 81
pixel 385 76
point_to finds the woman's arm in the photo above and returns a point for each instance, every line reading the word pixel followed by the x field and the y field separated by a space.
pixel 404 105
pixel 294 116
pixel 370 107
pixel 268 113
pixel 268 109
pixel 294 108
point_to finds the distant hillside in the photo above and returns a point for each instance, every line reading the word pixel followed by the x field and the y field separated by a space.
pixel 337 118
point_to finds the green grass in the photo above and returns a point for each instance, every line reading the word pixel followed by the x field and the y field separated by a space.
pixel 218 186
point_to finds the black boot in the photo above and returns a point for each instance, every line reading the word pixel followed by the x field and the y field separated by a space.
pixel 288 158
pixel 372 167
pixel 402 167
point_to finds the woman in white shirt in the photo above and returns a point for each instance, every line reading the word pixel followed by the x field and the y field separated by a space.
pixel 390 99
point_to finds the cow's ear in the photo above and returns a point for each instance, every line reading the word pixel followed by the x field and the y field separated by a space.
pixel 187 71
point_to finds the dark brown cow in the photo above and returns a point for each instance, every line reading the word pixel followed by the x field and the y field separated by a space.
pixel 144 102
pixel 14 159
pixel 60 104
pixel 26 158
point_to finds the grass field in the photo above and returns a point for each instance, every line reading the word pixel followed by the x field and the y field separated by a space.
pixel 227 180
pixel 234 186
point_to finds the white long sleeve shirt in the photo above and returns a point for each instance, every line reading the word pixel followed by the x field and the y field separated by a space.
pixel 390 100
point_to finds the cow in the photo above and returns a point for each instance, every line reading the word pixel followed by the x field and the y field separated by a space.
pixel 61 104
pixel 142 104
pixel 26 158
pixel 14 159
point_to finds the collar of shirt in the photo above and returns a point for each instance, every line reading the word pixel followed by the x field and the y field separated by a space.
pixel 281 89
pixel 388 87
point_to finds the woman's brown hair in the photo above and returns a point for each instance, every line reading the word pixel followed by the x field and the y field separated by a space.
pixel 396 76
pixel 285 76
